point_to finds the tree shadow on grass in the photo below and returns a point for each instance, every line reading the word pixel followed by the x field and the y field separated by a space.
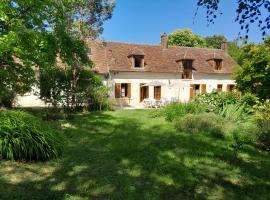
pixel 120 157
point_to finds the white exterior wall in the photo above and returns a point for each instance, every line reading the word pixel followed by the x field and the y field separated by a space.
pixel 177 88
pixel 137 78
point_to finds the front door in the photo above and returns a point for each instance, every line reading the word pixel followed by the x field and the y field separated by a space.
pixel 144 92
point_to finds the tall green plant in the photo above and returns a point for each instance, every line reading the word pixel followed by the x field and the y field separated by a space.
pixel 25 137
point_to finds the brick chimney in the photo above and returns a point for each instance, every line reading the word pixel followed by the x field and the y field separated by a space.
pixel 164 41
pixel 224 46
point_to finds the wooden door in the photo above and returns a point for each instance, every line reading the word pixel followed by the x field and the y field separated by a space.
pixel 144 92
pixel 157 92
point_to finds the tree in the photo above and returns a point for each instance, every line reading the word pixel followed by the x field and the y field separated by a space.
pixel 214 41
pixel 34 34
pixel 254 74
pixel 185 37
pixel 248 12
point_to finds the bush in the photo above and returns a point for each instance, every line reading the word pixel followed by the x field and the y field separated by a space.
pixel 7 98
pixel 249 99
pixel 215 101
pixel 25 137
pixel 262 115
pixel 177 110
pixel 203 122
pixel 235 112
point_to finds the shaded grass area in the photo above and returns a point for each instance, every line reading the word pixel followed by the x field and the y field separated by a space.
pixel 130 155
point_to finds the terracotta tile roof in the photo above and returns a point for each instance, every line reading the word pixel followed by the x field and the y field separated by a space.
pixel 114 56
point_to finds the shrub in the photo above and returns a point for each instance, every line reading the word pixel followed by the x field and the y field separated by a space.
pixel 7 98
pixel 25 137
pixel 249 99
pixel 243 133
pixel 234 112
pixel 262 115
pixel 215 101
pixel 203 122
pixel 177 110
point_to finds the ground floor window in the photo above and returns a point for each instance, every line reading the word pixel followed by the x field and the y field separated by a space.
pixel 157 92
pixel 219 87
pixel 197 89
pixel 122 90
pixel 230 88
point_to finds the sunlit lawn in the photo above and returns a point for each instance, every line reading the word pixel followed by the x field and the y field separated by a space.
pixel 131 155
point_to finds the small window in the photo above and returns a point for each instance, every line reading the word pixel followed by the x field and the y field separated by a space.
pixel 218 64
pixel 187 69
pixel 219 87
pixel 122 90
pixel 230 88
pixel 138 61
pixel 89 52
pixel 197 89
pixel 187 64
pixel 157 92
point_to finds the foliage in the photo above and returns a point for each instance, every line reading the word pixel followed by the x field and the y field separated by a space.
pixel 214 41
pixel 262 114
pixel 56 87
pixel 176 110
pixel 215 101
pixel 249 99
pixel 7 98
pixel 100 97
pixel 254 74
pixel 201 123
pixel 40 34
pixel 234 112
pixel 185 37
pixel 234 50
pixel 88 16
pixel 248 12
pixel 25 137
pixel 108 151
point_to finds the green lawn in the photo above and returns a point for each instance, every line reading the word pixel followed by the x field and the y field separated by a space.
pixel 131 155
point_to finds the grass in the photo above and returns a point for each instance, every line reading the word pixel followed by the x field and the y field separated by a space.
pixel 130 155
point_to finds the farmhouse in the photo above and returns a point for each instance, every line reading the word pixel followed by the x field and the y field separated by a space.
pixel 135 72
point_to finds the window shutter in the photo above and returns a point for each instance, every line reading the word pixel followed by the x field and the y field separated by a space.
pixel 117 90
pixel 192 90
pixel 129 90
pixel 203 88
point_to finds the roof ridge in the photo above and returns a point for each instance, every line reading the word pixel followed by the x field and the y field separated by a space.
pixel 173 46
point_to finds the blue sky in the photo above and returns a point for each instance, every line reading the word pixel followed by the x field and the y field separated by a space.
pixel 143 21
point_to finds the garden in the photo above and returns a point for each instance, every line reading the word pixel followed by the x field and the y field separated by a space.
pixel 80 147
pixel 216 147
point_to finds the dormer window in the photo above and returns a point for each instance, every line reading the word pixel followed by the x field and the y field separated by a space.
pixel 137 58
pixel 138 61
pixel 216 63
pixel 187 66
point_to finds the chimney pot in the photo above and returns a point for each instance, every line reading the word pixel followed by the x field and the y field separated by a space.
pixel 164 41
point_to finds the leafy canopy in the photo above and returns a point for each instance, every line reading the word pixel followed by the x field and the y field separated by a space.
pixel 185 37
pixel 254 74
pixel 37 34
